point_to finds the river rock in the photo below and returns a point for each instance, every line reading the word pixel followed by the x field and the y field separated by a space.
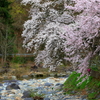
pixel 25 76
pixel 58 87
pixel 26 94
pixel 46 99
pixel 32 75
pixel 59 75
pixel 39 88
pixel 1 84
pixel 59 84
pixel 14 77
pixel 53 75
pixel 12 86
pixel 29 99
pixel 48 84
pixel 11 81
pixel 47 92
pixel 84 97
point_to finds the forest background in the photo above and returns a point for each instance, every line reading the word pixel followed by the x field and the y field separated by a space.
pixel 12 18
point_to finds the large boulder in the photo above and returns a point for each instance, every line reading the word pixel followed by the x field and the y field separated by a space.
pixel 12 86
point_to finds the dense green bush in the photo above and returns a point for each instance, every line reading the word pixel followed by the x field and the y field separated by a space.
pixel 73 81
pixel 19 60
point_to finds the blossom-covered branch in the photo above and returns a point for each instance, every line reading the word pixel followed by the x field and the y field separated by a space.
pixel 83 36
pixel 42 31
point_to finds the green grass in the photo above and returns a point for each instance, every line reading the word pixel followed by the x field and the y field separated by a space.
pixel 19 60
pixel 35 94
pixel 91 85
pixel 92 95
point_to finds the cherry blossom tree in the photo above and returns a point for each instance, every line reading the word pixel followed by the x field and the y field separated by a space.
pixel 83 36
pixel 42 31
pixel 61 27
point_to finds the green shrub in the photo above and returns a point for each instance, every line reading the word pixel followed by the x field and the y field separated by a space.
pixel 71 81
pixel 91 84
pixel 92 95
pixel 19 60
pixel 98 84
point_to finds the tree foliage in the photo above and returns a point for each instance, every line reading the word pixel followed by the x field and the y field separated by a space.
pixel 63 27
pixel 42 31
pixel 19 13
pixel 83 36
pixel 6 29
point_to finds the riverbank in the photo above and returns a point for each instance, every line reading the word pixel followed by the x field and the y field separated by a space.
pixel 21 71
